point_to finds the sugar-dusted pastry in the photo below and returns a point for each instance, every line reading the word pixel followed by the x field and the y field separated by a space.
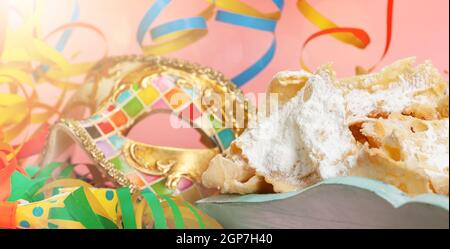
pixel 231 175
pixel 400 87
pixel 328 127
pixel 407 152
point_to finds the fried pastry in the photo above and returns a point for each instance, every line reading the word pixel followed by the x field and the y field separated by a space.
pixel 391 126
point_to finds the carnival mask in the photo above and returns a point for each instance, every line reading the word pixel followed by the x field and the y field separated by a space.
pixel 120 92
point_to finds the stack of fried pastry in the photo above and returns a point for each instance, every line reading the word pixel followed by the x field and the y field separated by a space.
pixel 390 126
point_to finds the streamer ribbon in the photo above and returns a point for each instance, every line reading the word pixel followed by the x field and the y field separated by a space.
pixel 21 106
pixel 253 19
pixel 353 36
pixel 37 200
pixel 92 208
pixel 186 31
pixel 7 167
pixel 183 32
pixel 173 35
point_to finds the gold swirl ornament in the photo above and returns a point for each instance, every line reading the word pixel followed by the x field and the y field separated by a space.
pixel 121 91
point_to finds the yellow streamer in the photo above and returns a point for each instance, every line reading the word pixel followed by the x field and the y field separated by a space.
pixel 322 23
pixel 242 8
pixel 63 183
pixel 179 40
pixel 22 49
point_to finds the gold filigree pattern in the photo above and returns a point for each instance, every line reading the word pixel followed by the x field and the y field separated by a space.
pixel 121 91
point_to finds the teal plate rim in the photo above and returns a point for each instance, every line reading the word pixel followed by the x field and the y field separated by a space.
pixel 391 194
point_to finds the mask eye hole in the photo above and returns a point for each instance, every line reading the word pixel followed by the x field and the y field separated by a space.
pixel 156 128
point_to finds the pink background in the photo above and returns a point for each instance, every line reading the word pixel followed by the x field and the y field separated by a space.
pixel 421 29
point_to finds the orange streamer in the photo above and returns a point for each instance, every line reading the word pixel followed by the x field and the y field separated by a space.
pixel 353 36
pixel 389 20
pixel 7 167
pixel 8 215
pixel 359 33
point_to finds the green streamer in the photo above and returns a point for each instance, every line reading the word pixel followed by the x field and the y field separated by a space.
pixel 64 213
pixel 157 210
pixel 126 207
pixel 79 208
pixel 31 170
pixel 107 223
pixel 201 224
pixel 65 173
pixel 179 222
pixel 20 185
pixel 25 187
pixel 59 213
pixel 47 171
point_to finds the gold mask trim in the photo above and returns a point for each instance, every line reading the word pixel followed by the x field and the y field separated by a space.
pixel 135 85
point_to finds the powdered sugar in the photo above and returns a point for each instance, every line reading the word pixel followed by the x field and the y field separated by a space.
pixel 395 98
pixel 308 134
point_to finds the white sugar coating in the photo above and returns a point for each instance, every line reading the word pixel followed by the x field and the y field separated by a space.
pixel 306 135
pixel 309 137
pixel 422 144
pixel 392 99
pixel 426 144
pixel 431 145
pixel 406 90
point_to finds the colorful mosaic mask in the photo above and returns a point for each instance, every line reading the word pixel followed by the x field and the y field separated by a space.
pixel 124 90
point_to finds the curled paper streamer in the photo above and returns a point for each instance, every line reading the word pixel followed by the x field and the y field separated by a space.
pixel 352 36
pixel 180 33
pixel 7 167
pixel 243 16
pixel 61 44
pixel 22 106
pixel 173 35
pixel 73 203
pixel 92 208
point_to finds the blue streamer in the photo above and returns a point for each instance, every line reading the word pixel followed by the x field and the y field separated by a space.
pixel 253 23
pixel 61 44
pixel 62 41
pixel 246 21
pixel 257 67
pixel 262 24
pixel 279 4
pixel 178 25
pixel 167 28
pixel 149 17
